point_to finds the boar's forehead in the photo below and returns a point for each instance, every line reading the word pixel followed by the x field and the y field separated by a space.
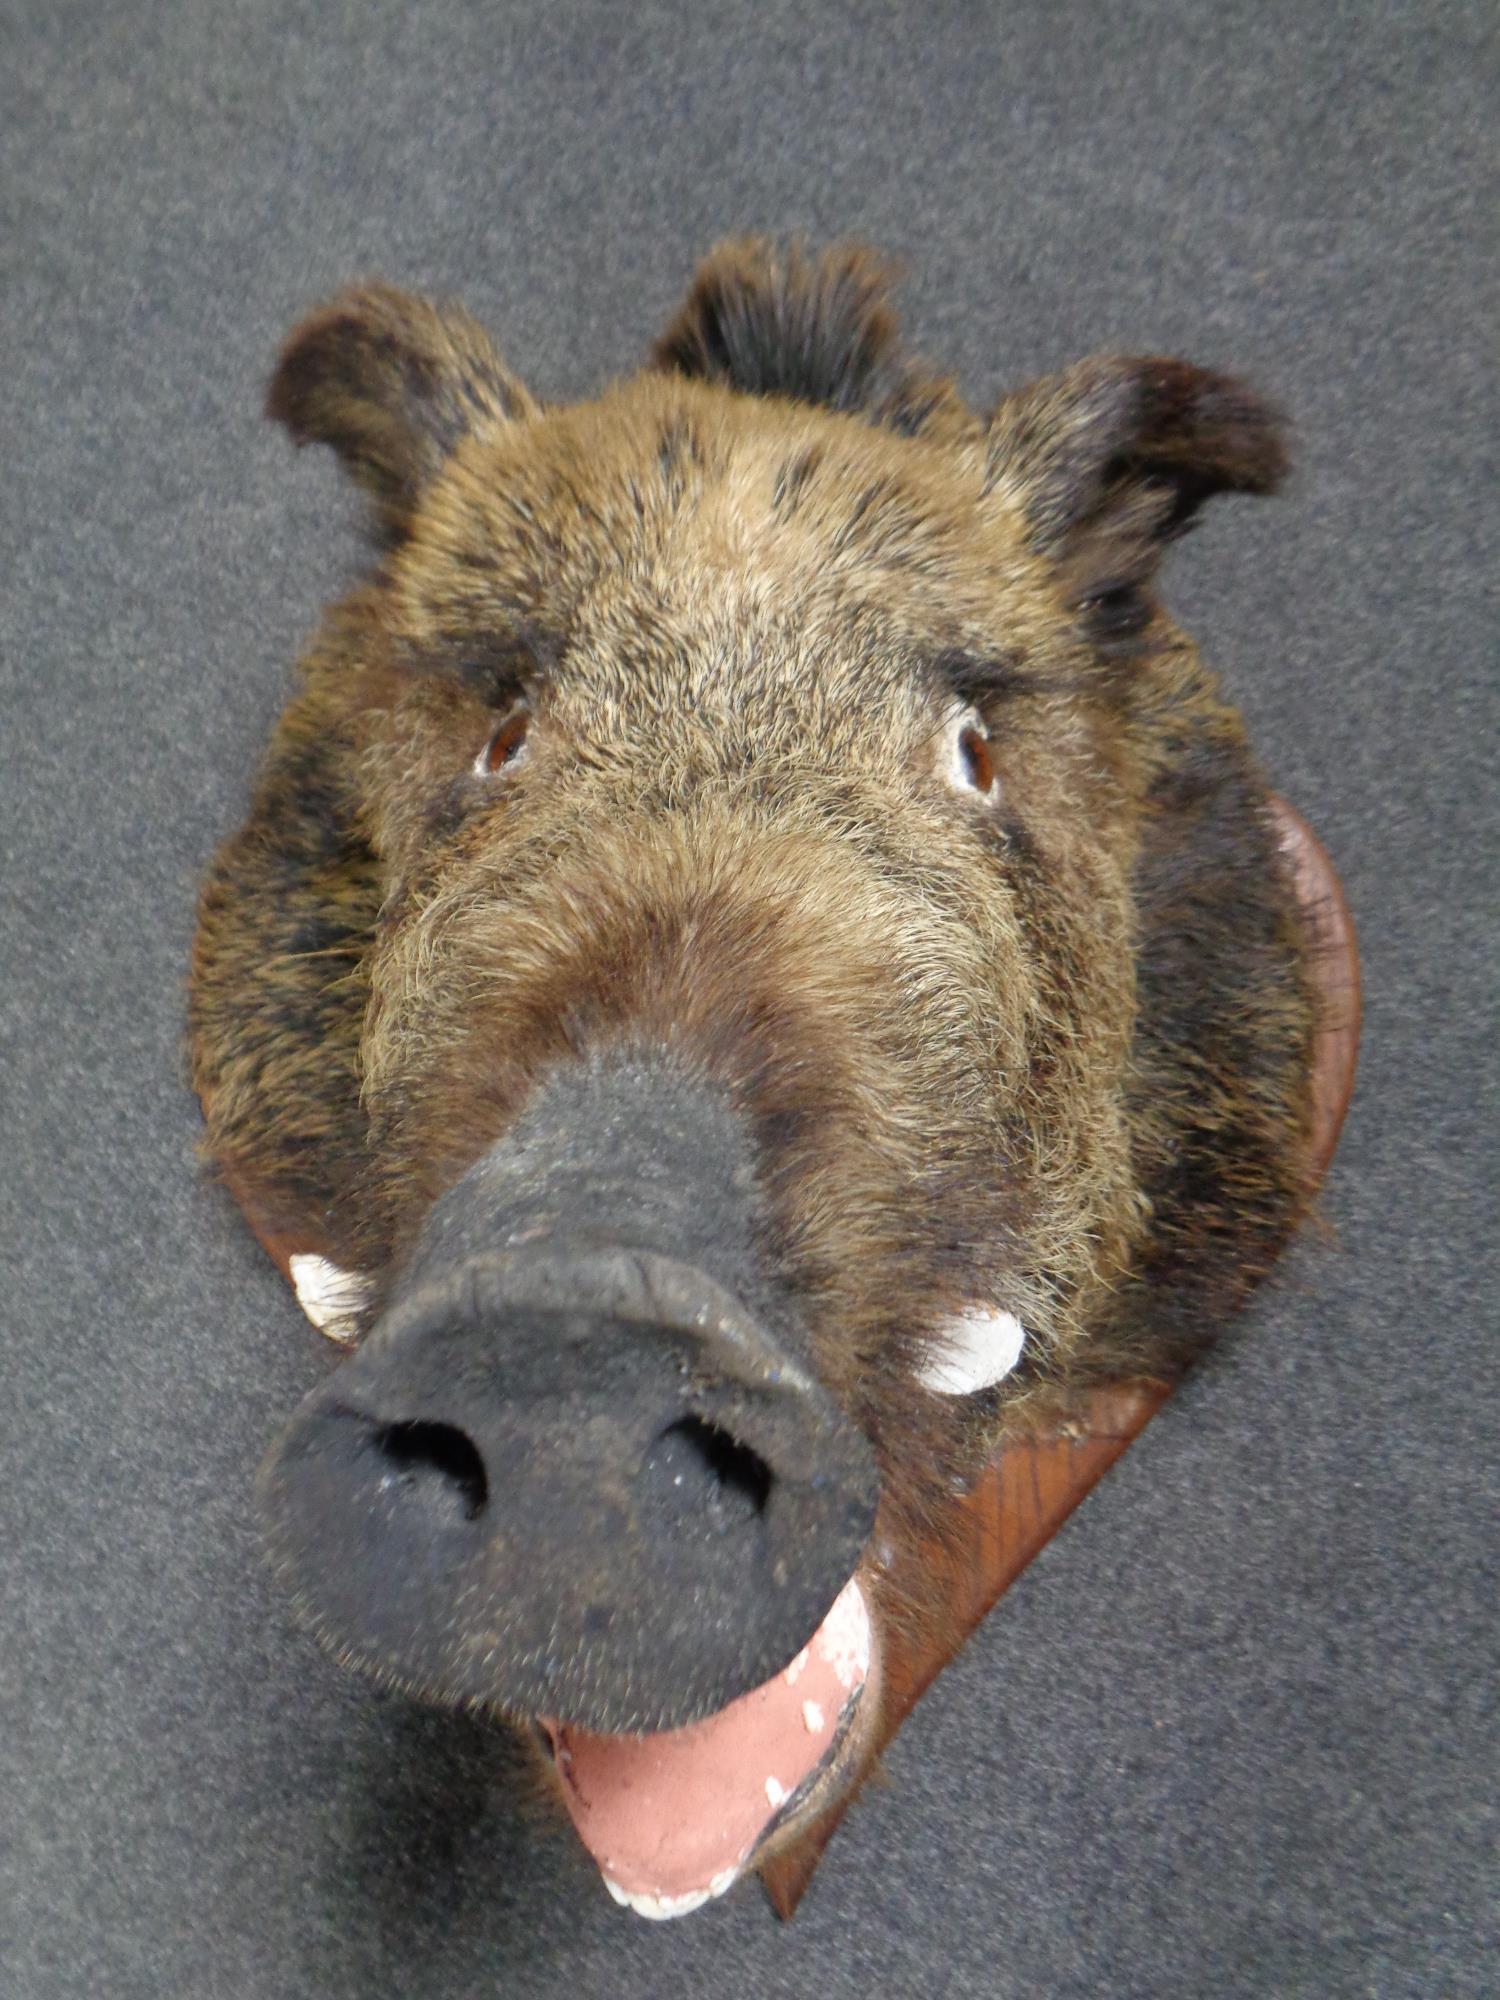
pixel 739 543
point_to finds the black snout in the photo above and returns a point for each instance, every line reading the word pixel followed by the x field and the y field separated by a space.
pixel 572 1481
pixel 572 1478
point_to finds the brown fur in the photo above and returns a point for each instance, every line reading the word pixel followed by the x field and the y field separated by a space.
pixel 1051 1054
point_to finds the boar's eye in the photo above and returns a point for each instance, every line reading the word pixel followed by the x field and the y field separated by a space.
pixel 505 745
pixel 966 762
pixel 974 749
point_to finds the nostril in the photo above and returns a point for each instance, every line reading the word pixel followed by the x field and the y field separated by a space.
pixel 437 1461
pixel 697 1478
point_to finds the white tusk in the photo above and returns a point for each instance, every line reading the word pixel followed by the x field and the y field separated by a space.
pixel 972 1352
pixel 331 1297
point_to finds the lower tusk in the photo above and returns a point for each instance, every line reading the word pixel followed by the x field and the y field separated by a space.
pixel 332 1298
pixel 972 1352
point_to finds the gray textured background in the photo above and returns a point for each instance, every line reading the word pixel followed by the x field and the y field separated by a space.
pixel 1232 1734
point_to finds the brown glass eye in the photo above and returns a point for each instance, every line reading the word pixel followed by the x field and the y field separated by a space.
pixel 974 753
pixel 506 743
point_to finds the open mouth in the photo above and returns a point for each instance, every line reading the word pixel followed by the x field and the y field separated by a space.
pixel 674 1818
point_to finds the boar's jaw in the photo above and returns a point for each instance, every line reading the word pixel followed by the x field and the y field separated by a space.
pixel 675 1818
pixel 582 1466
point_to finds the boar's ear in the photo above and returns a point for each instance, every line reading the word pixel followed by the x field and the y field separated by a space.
pixel 817 329
pixel 1111 460
pixel 393 383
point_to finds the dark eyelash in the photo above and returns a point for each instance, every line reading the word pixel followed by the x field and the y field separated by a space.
pixel 499 684
pixel 982 678
pixel 499 668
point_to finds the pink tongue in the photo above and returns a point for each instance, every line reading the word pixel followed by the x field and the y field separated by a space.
pixel 671 1818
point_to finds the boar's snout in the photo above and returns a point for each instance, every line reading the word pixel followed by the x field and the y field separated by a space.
pixel 570 1476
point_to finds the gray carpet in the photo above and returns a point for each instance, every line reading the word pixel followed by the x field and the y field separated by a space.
pixel 1233 1734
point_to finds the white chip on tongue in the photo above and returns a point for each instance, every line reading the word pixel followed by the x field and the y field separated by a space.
pixel 671 1818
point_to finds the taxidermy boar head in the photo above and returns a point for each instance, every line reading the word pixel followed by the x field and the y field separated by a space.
pixel 758 965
